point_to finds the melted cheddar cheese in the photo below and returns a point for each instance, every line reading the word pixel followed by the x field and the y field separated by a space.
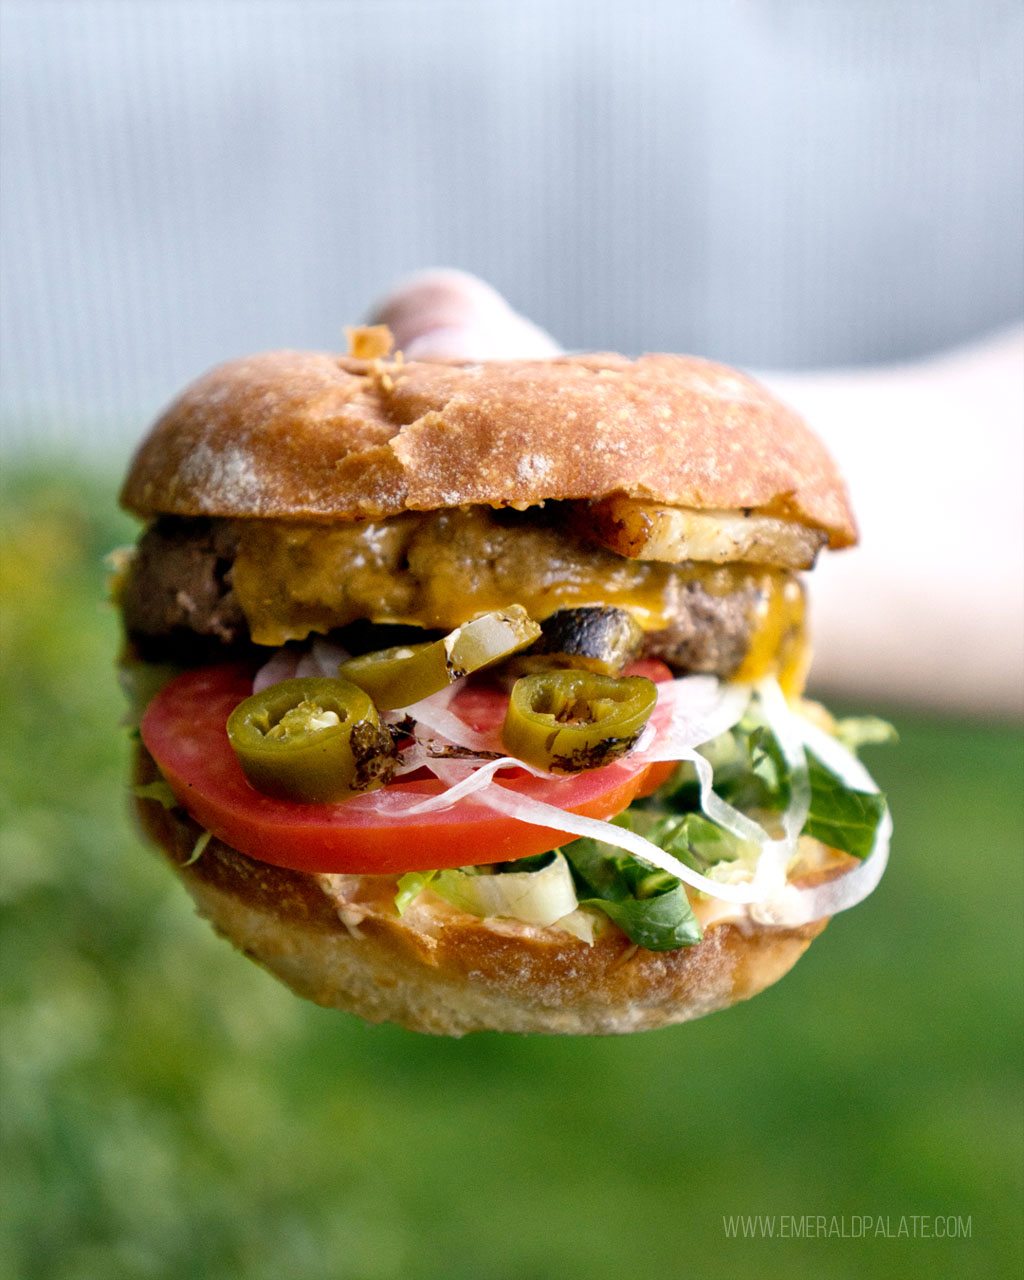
pixel 439 569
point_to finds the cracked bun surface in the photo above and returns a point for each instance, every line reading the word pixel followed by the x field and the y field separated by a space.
pixel 302 434
pixel 303 508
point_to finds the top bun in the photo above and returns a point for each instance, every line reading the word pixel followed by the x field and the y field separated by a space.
pixel 304 434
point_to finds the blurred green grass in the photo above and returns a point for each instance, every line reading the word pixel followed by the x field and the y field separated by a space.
pixel 169 1110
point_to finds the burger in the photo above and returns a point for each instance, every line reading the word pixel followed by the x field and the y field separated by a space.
pixel 469 695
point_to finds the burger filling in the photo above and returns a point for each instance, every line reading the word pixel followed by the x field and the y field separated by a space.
pixel 205 583
pixel 675 680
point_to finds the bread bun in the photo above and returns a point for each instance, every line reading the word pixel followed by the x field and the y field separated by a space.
pixel 665 459
pixel 338 940
pixel 299 434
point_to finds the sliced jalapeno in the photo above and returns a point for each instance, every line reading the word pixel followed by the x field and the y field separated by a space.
pixel 403 675
pixel 567 721
pixel 315 740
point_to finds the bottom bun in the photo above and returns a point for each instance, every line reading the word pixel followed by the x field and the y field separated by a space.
pixel 339 941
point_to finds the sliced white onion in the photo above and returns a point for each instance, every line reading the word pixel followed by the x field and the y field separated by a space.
pixel 283 665
pixel 719 810
pixel 477 781
pixel 776 855
pixel 412 757
pixel 772 899
pixel 434 713
pixel 785 725
pixel 540 814
pixel 700 708
pixel 795 905
pixel 834 756
pixel 324 658
pixel 690 711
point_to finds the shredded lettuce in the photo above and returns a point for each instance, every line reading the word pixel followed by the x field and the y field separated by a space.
pixel 855 732
pixel 198 848
pixel 538 890
pixel 841 817
pixel 410 886
pixel 158 790
pixel 649 906
pixel 751 774
pixel 761 768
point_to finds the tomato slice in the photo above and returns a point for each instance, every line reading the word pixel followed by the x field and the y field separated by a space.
pixel 184 730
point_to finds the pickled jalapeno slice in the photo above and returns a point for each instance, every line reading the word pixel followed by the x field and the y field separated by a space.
pixel 314 740
pixel 567 721
pixel 401 676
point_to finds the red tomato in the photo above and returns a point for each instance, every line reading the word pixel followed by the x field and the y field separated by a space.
pixel 184 730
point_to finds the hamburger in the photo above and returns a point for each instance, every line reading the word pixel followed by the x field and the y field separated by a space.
pixel 469 695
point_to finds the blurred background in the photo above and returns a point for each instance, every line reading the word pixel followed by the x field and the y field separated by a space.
pixel 829 193
pixel 782 183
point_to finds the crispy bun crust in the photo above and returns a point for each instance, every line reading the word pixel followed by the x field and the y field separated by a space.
pixel 302 434
pixel 338 940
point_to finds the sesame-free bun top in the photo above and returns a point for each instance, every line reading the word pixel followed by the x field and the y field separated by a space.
pixel 309 435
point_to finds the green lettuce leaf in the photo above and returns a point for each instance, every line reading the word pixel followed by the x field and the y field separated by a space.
pixel 751 773
pixel 855 732
pixel 410 886
pixel 649 906
pixel 198 848
pixel 158 790
pixel 839 817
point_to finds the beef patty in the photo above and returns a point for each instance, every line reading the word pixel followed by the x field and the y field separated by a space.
pixel 199 586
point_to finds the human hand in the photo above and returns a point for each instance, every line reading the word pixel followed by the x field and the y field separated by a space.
pixel 930 608
pixel 448 314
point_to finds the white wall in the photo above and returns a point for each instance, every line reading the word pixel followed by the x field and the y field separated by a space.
pixel 776 183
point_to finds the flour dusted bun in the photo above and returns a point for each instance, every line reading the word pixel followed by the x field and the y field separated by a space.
pixel 689 497
pixel 339 941
pixel 308 435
